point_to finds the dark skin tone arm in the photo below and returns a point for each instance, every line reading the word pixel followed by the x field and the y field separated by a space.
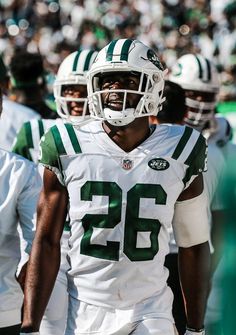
pixel 194 269
pixel 217 234
pixel 44 260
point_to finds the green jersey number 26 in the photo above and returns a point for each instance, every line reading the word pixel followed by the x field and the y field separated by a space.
pixel 133 223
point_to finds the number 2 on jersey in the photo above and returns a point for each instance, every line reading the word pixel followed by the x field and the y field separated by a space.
pixel 133 224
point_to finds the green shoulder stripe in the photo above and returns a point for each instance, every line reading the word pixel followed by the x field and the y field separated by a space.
pixel 58 141
pixel 73 138
pixel 196 161
pixel 198 153
pixel 24 141
pixel 41 128
pixel 182 142
pixel 51 147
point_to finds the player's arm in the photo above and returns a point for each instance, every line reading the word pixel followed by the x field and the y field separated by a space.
pixel 45 256
pixel 26 210
pixel 192 234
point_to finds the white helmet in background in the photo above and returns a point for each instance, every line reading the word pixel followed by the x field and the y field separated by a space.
pixel 196 73
pixel 72 71
pixel 127 56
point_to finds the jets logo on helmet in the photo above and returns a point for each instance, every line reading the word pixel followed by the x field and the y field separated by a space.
pixel 154 59
pixel 131 56
pixel 72 71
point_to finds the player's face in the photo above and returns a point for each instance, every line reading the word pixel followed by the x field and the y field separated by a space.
pixel 200 106
pixel 119 81
pixel 75 92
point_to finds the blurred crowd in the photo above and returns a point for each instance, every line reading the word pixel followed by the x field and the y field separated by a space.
pixel 55 28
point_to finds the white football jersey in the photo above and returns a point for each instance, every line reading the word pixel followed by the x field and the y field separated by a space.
pixel 121 206
pixel 20 185
pixel 12 118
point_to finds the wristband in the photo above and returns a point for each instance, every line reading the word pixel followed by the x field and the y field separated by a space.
pixel 32 333
pixel 191 331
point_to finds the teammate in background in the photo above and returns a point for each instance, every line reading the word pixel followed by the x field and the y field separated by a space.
pixel 28 85
pixel 19 190
pixel 13 114
pixel 122 183
pixel 174 111
pixel 199 79
pixel 228 302
pixel 70 91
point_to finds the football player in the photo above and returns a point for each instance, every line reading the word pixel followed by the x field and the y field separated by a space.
pixel 70 92
pixel 123 183
pixel 198 77
pixel 20 185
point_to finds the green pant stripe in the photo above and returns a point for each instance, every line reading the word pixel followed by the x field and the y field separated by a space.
pixel 125 50
pixel 28 133
pixel 73 138
pixel 110 50
pixel 58 141
pixel 74 68
pixel 182 143
pixel 87 60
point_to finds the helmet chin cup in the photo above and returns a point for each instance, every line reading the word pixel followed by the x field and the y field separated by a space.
pixel 119 118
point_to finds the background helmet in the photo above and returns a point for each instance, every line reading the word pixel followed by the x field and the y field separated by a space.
pixel 197 73
pixel 126 55
pixel 72 71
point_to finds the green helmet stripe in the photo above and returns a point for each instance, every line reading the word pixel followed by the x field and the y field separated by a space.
pixel 58 141
pixel 125 50
pixel 110 50
pixel 182 143
pixel 28 132
pixel 41 128
pixel 87 60
pixel 199 67
pixel 73 138
pixel 74 68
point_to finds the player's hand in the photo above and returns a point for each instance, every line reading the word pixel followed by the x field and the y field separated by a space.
pixel 194 332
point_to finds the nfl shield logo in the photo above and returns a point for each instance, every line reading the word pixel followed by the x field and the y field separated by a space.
pixel 127 164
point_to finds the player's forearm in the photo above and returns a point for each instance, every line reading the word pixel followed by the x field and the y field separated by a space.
pixel 194 267
pixel 42 268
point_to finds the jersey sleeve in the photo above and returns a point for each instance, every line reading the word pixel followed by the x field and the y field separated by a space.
pixel 23 141
pixel 49 153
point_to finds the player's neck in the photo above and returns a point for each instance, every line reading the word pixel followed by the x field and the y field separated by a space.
pixel 130 136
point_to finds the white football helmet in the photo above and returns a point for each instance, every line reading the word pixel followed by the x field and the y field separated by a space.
pixel 72 71
pixel 131 56
pixel 197 73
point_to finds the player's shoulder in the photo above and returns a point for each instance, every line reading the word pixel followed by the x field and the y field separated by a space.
pixel 184 142
pixel 15 161
pixel 18 110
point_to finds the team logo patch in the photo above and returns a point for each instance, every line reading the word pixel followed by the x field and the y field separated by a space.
pixel 127 164
pixel 152 57
pixel 158 164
